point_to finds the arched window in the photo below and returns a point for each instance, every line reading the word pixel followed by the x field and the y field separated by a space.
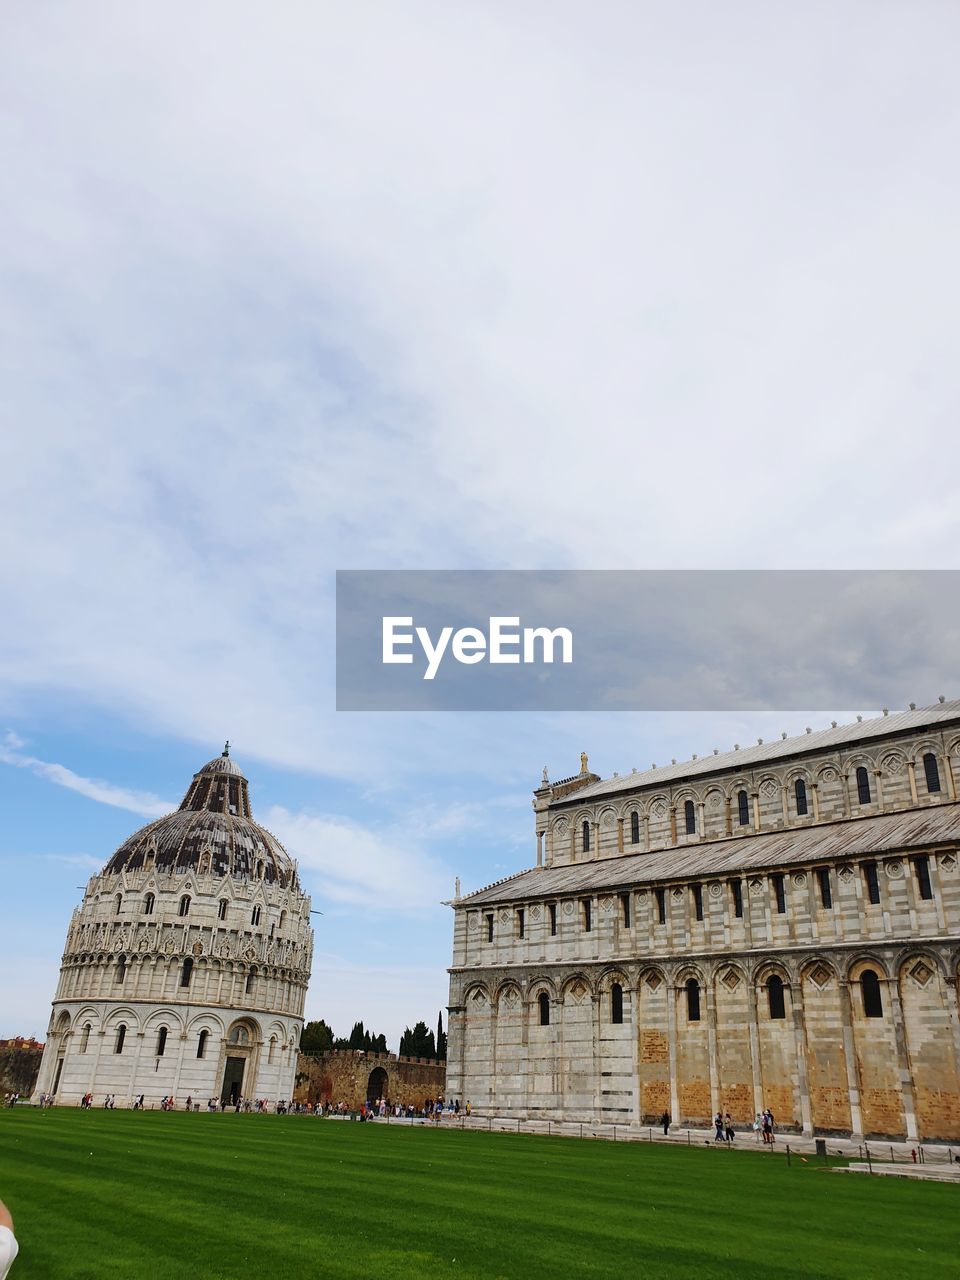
pixel 148 904
pixel 121 969
pixel 800 791
pixel 863 785
pixel 85 1037
pixel 161 1041
pixel 121 1036
pixel 586 837
pixel 931 772
pixel 255 916
pixel 775 996
pixel 544 1001
pixel 273 1046
pixel 690 817
pixel 693 1000
pixel 202 1043
pixel 118 901
pixel 743 808
pixel 872 999
pixel 283 919
pixel 184 904
pixel 634 827
pixel 616 1003
pixel 186 972
pixel 222 909
pixel 251 981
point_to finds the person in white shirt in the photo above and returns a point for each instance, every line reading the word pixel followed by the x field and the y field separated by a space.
pixel 8 1241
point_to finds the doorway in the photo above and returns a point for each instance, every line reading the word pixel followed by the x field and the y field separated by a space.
pixel 377 1085
pixel 231 1092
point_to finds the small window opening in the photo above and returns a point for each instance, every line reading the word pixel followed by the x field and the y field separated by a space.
pixel 873 882
pixel 921 866
pixel 693 1000
pixel 823 880
pixel 625 908
pixel 736 889
pixel 161 1041
pixel 634 827
pixel 587 916
pixel 661 897
pixel 697 890
pixel 872 999
pixel 690 818
pixel 544 1001
pixel 775 997
pixel 148 904
pixel 184 904
pixel 202 1044
pixel 616 1003
pixel 586 837
pixel 931 772
pixel 521 922
pixel 553 919
pixel 121 1036
pixel 863 785
pixel 186 972
pixel 743 808
pixel 800 791
pixel 222 909
pixel 779 891
pixel 490 927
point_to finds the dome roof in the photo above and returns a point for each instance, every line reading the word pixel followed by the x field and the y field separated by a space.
pixel 213 830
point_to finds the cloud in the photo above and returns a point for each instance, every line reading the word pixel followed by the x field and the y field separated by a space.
pixel 353 865
pixel 144 803
pixel 373 314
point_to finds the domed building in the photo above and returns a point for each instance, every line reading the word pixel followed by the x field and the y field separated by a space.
pixel 186 965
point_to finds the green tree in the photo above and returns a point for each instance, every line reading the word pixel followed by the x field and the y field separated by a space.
pixel 441 1039
pixel 356 1037
pixel 316 1038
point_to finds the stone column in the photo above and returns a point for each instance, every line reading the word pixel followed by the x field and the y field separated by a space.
pixel 850 1058
pixel 673 824
pixel 903 1060
pixel 878 783
pixel 755 797
pixel 951 780
pixel 539 848
pixel 673 995
pixel 814 792
pixel 620 835
pixel 756 1065
pixel 711 1010
pixel 803 1079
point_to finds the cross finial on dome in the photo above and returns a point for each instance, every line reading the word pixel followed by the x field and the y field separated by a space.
pixel 226 747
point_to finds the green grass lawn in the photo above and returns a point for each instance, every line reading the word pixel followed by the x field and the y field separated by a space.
pixel 165 1197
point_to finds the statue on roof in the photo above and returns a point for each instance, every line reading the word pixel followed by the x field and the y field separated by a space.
pixel 583 762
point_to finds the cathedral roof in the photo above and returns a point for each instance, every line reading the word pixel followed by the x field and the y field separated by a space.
pixel 940 714
pixel 213 827
pixel 885 833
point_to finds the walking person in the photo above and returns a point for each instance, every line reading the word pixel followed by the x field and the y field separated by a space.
pixel 8 1241
pixel 718 1127
pixel 665 1121
pixel 728 1127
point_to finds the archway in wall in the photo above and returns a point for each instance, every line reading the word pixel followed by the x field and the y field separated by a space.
pixel 377 1085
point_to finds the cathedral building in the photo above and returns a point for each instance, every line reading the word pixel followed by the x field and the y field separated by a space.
pixel 774 926
pixel 186 964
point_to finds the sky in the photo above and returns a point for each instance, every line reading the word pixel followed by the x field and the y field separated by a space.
pixel 295 288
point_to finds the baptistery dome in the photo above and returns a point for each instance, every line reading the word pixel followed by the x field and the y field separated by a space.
pixel 212 831
pixel 186 964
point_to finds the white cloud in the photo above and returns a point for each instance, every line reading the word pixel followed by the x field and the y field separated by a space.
pixel 355 865
pixel 141 802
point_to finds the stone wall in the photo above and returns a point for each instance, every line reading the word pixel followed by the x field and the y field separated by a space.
pixel 352 1076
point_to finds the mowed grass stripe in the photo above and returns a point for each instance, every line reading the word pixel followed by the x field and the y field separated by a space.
pixel 222 1196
